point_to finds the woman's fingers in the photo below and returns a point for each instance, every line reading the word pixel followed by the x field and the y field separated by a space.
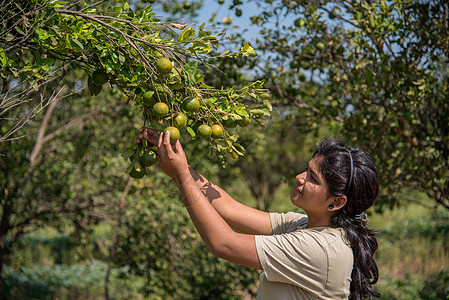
pixel 160 141
pixel 150 131
pixel 151 135
pixel 179 149
pixel 167 145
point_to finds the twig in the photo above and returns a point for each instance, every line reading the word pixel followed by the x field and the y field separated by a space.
pixel 73 4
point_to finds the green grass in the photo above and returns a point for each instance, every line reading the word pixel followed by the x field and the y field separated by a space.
pixel 413 251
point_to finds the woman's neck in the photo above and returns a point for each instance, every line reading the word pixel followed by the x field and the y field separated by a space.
pixel 321 221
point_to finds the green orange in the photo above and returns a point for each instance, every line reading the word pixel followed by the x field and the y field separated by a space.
pixel 320 46
pixel 204 131
pixel 217 131
pixel 174 134
pixel 160 109
pixel 138 172
pixel 180 121
pixel 164 65
pixel 191 104
pixel 148 158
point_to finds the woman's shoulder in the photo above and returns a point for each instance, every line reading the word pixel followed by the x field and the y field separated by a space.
pixel 287 222
pixel 327 237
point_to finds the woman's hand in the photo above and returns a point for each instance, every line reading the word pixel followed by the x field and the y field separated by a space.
pixel 172 163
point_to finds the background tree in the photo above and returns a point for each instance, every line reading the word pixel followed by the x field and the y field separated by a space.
pixel 382 66
pixel 274 156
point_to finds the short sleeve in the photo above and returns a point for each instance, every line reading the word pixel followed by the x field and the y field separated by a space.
pixel 287 222
pixel 294 258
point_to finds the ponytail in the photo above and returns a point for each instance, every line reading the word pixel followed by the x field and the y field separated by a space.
pixel 364 244
pixel 352 173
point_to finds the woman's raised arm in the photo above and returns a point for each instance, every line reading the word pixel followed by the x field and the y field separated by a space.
pixel 240 217
pixel 215 232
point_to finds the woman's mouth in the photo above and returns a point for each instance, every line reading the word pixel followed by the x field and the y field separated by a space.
pixel 297 189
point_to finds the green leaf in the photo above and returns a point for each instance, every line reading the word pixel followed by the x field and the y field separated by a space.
pixel 117 9
pixel 259 84
pixel 205 86
pixel 268 105
pixel 192 70
pixel 57 4
pixel 370 77
pixel 3 57
pixel 19 30
pixel 199 78
pixel 241 112
pixel 43 35
pixel 258 112
pixel 191 131
pixel 225 53
pixel 248 50
pixel 48 61
pixel 238 149
pixel 128 153
pixel 186 34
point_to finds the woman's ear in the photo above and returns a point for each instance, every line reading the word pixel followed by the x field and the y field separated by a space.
pixel 338 202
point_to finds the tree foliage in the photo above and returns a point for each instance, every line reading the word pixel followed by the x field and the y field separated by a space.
pixel 274 156
pixel 121 47
pixel 170 255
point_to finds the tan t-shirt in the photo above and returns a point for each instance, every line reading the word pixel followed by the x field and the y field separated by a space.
pixel 303 263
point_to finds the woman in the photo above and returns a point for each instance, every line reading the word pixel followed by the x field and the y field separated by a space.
pixel 326 254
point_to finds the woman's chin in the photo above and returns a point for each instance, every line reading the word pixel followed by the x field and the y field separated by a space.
pixel 294 198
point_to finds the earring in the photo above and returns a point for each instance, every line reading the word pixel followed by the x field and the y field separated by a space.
pixel 331 207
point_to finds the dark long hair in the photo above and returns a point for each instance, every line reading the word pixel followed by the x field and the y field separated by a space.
pixel 352 172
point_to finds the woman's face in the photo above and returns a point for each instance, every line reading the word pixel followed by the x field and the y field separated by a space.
pixel 311 191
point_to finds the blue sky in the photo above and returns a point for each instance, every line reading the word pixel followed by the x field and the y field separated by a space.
pixel 222 11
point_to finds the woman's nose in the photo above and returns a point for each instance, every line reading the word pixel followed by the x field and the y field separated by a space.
pixel 300 178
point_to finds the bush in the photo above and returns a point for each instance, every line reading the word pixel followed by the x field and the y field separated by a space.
pixel 64 282
pixel 400 289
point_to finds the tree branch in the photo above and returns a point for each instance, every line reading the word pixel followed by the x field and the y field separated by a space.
pixel 39 140
pixel 16 100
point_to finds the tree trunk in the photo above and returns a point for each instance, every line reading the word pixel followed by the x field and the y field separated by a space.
pixel 115 238
pixel 2 254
